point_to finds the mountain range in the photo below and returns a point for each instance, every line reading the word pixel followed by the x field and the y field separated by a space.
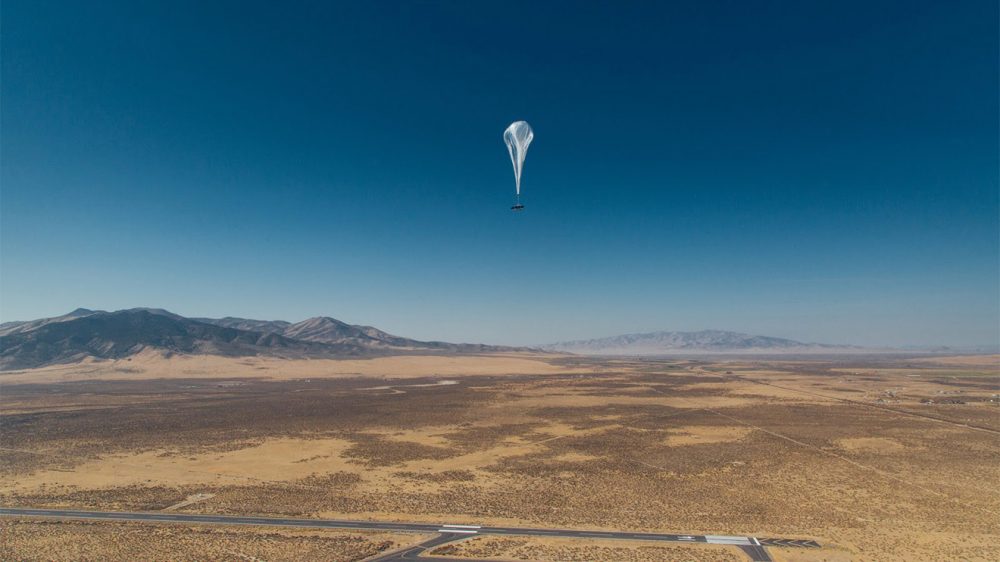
pixel 702 342
pixel 98 334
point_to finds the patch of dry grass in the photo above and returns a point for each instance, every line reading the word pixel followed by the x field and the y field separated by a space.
pixel 778 449
pixel 26 539
pixel 569 550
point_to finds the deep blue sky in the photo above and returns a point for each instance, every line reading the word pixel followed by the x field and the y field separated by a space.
pixel 825 171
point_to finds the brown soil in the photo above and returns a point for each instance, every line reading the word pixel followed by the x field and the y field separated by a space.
pixel 846 453
pixel 25 539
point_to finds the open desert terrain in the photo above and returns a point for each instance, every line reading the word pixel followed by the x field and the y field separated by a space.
pixel 85 540
pixel 473 281
pixel 875 458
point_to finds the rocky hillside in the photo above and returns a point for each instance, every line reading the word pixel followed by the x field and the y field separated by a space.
pixel 86 333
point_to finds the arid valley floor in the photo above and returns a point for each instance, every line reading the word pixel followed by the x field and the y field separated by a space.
pixel 875 458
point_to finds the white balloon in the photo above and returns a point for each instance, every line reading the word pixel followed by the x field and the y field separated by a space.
pixel 518 136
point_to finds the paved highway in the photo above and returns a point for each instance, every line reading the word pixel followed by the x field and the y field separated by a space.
pixel 415 552
pixel 448 532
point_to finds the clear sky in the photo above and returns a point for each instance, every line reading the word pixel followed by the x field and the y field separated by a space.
pixel 824 171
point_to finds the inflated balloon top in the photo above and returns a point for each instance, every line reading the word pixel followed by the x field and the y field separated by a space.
pixel 518 136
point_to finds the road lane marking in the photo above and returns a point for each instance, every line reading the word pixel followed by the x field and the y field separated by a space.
pixel 448 528
pixel 726 539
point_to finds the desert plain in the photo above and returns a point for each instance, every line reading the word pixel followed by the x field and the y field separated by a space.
pixel 873 457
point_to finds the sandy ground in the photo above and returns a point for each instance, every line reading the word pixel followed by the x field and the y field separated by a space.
pixel 293 459
pixel 700 435
pixel 963 360
pixel 47 540
pixel 544 549
pixel 809 555
pixel 880 445
pixel 769 450
pixel 152 365
pixel 273 460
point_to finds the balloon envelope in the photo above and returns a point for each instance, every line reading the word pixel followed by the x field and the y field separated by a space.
pixel 518 136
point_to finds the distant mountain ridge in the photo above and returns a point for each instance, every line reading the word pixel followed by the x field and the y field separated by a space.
pixel 323 329
pixel 16 327
pixel 270 326
pixel 704 341
pixel 87 333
